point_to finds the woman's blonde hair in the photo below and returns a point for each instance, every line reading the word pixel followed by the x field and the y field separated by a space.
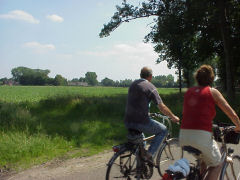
pixel 205 75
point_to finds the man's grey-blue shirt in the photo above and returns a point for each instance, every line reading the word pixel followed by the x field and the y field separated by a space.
pixel 140 94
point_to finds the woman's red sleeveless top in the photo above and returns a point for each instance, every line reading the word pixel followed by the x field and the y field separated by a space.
pixel 198 109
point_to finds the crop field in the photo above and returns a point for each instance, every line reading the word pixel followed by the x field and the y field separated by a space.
pixel 40 123
pixel 15 94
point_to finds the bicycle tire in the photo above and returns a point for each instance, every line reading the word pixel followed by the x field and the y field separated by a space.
pixel 231 171
pixel 122 165
pixel 169 152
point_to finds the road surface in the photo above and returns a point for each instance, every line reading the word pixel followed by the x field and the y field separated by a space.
pixel 87 168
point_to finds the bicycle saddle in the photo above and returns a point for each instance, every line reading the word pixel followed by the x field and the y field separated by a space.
pixel 134 136
pixel 134 132
pixel 192 150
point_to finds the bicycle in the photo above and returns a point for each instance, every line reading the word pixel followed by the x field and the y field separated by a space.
pixel 224 134
pixel 128 163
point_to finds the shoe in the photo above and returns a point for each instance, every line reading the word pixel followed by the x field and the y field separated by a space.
pixel 150 161
pixel 147 157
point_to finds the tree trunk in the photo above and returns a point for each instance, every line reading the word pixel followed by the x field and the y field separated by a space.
pixel 180 76
pixel 224 27
pixel 187 76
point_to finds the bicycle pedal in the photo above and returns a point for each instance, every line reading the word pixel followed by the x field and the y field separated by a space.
pixel 137 176
pixel 150 162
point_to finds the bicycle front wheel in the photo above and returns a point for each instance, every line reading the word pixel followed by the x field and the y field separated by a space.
pixel 169 152
pixel 122 166
pixel 231 170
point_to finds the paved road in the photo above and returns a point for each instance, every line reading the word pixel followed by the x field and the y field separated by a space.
pixel 91 168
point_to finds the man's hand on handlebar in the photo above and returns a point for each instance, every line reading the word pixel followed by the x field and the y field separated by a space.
pixel 175 119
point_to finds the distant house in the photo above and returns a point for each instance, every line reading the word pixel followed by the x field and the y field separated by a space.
pixel 77 84
pixel 10 82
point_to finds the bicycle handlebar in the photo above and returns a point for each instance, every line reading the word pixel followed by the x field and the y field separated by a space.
pixel 225 133
pixel 159 115
pixel 223 128
pixel 164 119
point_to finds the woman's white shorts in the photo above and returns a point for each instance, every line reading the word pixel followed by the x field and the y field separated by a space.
pixel 203 141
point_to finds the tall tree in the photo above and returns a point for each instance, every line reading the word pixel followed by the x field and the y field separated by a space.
pixel 107 82
pixel 188 33
pixel 170 32
pixel 91 78
pixel 27 76
pixel 60 81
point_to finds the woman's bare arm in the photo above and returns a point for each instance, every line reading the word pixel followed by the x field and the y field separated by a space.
pixel 225 107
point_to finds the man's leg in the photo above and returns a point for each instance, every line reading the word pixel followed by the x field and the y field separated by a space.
pixel 160 132
pixel 152 127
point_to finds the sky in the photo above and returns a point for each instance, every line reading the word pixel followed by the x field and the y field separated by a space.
pixel 63 36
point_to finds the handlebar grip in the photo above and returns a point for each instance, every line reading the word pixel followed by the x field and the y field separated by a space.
pixel 215 126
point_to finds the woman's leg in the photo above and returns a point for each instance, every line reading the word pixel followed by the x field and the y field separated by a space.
pixel 213 172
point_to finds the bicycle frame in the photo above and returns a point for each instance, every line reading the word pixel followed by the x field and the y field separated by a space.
pixel 227 157
pixel 128 158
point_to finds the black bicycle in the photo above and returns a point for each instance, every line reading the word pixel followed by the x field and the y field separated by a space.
pixel 223 133
pixel 128 161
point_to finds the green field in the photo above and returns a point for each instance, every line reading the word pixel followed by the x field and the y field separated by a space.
pixel 14 94
pixel 38 124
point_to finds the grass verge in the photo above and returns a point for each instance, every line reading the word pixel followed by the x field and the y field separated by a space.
pixel 71 124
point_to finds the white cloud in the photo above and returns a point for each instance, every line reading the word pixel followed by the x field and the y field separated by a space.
pixel 55 18
pixel 134 51
pixel 20 15
pixel 124 61
pixel 39 48
pixel 100 4
pixel 64 56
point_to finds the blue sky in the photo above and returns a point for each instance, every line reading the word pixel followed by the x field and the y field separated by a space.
pixel 63 36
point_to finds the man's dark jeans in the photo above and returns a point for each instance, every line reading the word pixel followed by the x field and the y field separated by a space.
pixel 152 127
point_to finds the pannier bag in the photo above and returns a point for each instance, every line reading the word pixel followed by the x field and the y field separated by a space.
pixel 231 137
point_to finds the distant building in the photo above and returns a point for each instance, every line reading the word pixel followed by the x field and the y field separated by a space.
pixel 77 84
pixel 9 82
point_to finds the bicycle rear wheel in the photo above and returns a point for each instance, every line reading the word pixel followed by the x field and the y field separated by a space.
pixel 231 170
pixel 169 152
pixel 122 166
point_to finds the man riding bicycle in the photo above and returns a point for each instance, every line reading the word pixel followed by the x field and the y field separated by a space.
pixel 140 94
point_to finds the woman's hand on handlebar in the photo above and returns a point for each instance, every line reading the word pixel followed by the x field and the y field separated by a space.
pixel 237 129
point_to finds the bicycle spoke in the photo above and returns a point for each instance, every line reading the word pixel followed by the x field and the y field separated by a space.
pixel 170 152
pixel 122 166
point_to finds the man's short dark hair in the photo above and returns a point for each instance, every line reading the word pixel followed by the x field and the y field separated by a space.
pixel 145 72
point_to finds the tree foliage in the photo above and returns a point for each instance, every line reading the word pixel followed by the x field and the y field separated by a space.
pixel 91 78
pixel 27 76
pixel 188 33
pixel 107 82
pixel 59 80
pixel 164 81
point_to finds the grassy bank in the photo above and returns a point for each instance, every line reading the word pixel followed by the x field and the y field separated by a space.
pixel 32 132
pixel 38 124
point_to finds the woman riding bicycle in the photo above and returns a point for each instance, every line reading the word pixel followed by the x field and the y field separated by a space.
pixel 198 114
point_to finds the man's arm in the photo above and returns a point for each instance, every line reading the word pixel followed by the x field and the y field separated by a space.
pixel 166 111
